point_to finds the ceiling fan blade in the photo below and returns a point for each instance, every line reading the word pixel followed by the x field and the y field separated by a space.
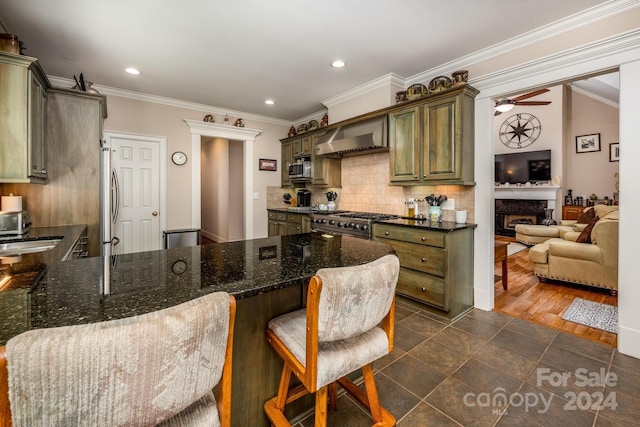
pixel 530 94
pixel 533 102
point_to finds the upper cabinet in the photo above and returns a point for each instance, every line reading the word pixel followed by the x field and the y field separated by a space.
pixel 286 158
pixel 325 171
pixel 23 88
pixel 431 142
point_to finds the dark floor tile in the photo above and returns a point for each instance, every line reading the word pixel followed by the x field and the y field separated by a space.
pixel 394 398
pixel 626 411
pixel 440 357
pixel 406 339
pixel 473 327
pixel 519 343
pixel 570 362
pixel 424 325
pixel 509 362
pixel 401 312
pixel 562 382
pixel 414 375
pixel 347 413
pixel 389 358
pixel 486 379
pixel 532 330
pixel 493 317
pixel 583 346
pixel 546 409
pixel 626 362
pixel 625 381
pixel 459 402
pixel 426 415
pixel 458 340
pixel 511 419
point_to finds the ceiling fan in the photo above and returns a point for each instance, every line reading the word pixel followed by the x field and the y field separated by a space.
pixel 506 104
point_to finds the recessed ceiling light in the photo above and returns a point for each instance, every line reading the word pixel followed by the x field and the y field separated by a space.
pixel 132 70
pixel 269 102
pixel 339 63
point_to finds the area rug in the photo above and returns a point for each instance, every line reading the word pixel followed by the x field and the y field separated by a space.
pixel 593 314
pixel 514 248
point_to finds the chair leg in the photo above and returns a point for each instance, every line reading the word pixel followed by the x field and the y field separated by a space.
pixel 372 393
pixel 321 407
pixel 333 396
pixel 283 389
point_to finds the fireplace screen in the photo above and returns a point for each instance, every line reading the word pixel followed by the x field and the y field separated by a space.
pixel 510 213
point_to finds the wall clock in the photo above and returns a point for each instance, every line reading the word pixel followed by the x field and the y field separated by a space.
pixel 520 130
pixel 179 158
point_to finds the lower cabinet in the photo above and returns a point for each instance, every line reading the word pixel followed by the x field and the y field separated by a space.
pixel 79 249
pixel 285 224
pixel 436 266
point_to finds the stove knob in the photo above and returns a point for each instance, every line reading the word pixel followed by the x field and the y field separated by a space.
pixel 332 222
pixel 356 226
pixel 341 224
pixel 314 220
pixel 364 228
pixel 347 225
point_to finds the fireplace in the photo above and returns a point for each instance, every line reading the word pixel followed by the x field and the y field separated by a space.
pixel 510 212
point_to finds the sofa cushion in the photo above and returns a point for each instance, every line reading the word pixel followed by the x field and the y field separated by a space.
pixel 602 211
pixel 539 254
pixel 537 230
pixel 586 216
pixel 585 236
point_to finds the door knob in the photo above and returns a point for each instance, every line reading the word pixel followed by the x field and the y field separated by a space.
pixel 154 213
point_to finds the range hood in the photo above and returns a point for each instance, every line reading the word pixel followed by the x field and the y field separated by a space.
pixel 356 139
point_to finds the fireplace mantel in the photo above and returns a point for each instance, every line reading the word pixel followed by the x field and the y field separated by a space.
pixel 535 192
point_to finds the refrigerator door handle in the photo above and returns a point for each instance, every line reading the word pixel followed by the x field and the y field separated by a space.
pixel 115 194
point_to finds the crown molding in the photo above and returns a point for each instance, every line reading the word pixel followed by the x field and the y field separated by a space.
pixel 598 98
pixel 384 81
pixel 138 96
pixel 222 131
pixel 313 116
pixel 590 53
pixel 585 17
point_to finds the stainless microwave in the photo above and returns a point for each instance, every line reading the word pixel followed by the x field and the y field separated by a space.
pixel 300 170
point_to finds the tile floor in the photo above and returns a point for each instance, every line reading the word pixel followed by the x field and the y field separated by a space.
pixel 461 374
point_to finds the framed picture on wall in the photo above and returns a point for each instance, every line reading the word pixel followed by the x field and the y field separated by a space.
pixel 268 165
pixel 588 143
pixel 614 152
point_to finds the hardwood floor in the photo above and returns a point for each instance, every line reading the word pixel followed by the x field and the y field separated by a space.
pixel 545 302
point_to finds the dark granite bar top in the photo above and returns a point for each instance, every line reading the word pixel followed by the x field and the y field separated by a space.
pixel 444 226
pixel 97 289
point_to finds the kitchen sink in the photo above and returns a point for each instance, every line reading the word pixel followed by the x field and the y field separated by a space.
pixel 27 246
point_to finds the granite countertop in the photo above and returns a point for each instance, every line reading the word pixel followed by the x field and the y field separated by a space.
pixel 445 226
pixel 96 289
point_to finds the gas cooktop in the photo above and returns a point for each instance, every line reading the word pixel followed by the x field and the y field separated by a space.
pixel 347 222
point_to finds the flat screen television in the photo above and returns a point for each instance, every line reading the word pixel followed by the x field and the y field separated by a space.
pixel 530 166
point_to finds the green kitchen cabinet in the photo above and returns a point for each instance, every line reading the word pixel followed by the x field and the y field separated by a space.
pixel 286 158
pixel 325 171
pixel 23 90
pixel 432 142
pixel 436 266
pixel 286 224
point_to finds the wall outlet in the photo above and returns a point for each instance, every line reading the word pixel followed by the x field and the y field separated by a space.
pixel 256 196
pixel 448 205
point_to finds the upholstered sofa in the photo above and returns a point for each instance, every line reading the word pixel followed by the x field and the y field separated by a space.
pixel 593 263
pixel 534 234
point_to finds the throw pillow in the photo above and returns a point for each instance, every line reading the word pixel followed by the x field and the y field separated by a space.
pixel 585 236
pixel 586 216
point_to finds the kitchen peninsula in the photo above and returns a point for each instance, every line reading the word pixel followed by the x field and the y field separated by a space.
pixel 267 276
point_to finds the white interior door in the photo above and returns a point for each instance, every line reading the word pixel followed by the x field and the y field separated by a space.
pixel 136 163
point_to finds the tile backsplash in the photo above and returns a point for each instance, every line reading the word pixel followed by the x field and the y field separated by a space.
pixel 365 188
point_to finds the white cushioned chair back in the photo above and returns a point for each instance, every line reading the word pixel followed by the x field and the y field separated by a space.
pixel 355 299
pixel 136 371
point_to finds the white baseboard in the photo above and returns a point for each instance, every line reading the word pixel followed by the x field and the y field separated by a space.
pixel 629 342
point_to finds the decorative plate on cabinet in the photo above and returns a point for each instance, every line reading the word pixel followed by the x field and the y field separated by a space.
pixel 416 91
pixel 313 125
pixel 302 128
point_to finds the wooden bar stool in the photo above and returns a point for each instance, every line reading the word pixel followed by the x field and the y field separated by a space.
pixel 337 333
pixel 154 369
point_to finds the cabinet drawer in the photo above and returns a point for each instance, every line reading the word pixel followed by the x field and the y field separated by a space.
pixel 297 219
pixel 428 289
pixel 423 258
pixel 281 216
pixel 431 238
pixel 272 215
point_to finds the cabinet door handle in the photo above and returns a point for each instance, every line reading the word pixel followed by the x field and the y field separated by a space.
pixel 386 233
pixel 423 289
pixel 424 238
pixel 424 260
pixel 415 176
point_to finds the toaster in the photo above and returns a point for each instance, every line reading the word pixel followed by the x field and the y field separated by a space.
pixel 14 223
